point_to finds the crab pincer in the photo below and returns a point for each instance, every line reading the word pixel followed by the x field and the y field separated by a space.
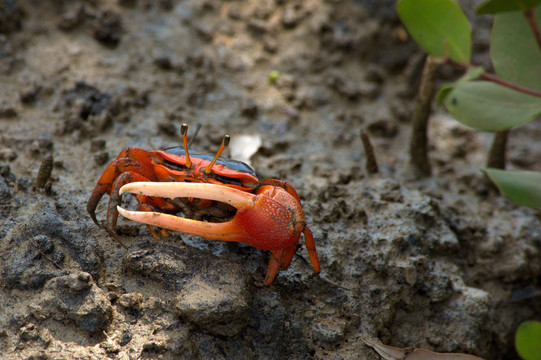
pixel 269 218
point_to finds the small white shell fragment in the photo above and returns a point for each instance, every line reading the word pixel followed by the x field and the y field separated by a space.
pixel 244 146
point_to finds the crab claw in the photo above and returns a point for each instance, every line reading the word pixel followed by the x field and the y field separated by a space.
pixel 271 219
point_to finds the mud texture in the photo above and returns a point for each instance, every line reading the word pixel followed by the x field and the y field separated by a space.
pixel 443 263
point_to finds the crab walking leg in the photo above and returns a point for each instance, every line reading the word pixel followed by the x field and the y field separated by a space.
pixel 171 190
pixel 310 244
pixel 278 261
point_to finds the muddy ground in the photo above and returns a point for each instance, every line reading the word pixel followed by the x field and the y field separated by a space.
pixel 443 263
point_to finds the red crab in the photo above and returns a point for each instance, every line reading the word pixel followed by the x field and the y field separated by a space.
pixel 266 214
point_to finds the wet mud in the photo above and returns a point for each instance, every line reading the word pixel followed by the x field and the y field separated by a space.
pixel 443 263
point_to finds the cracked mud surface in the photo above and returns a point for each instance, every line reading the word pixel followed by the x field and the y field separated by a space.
pixel 443 263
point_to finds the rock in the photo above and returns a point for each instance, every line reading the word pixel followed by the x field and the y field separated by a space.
pixel 74 298
pixel 34 250
pixel 110 347
pixel 97 145
pixel 108 28
pixel 220 308
pixel 101 158
pixel 29 94
pixel 270 45
pixel 249 109
pixel 391 191
pixel 131 300
pixel 277 331
pixel 88 99
pixel 383 127
pixel 165 264
pixel 287 84
pixel 29 264
pixel 29 332
pixel 125 338
pixel 344 86
pixel 291 17
pixel 257 26
pixel 42 146
pixel 328 333
pixel 8 154
pixel 466 307
pixel 212 291
pixel 163 62
pixel 7 111
pixel 72 18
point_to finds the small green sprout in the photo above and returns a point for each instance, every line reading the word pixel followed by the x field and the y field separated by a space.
pixel 273 76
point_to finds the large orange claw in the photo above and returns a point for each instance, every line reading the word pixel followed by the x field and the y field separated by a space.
pixel 269 219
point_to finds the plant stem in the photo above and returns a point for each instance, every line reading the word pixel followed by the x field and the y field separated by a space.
pixel 497 80
pixel 530 18
pixel 371 162
pixel 496 156
pixel 419 132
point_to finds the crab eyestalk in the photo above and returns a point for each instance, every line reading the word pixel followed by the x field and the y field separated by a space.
pixel 225 142
pixel 183 133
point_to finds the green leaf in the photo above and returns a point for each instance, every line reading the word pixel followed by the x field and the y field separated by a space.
pixel 522 187
pixel 514 51
pixel 473 73
pixel 439 27
pixel 499 6
pixel 487 106
pixel 528 340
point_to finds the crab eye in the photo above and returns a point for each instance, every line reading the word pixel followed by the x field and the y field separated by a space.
pixel 228 180
pixel 175 166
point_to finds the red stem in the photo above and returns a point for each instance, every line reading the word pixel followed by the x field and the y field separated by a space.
pixel 497 80
pixel 530 17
